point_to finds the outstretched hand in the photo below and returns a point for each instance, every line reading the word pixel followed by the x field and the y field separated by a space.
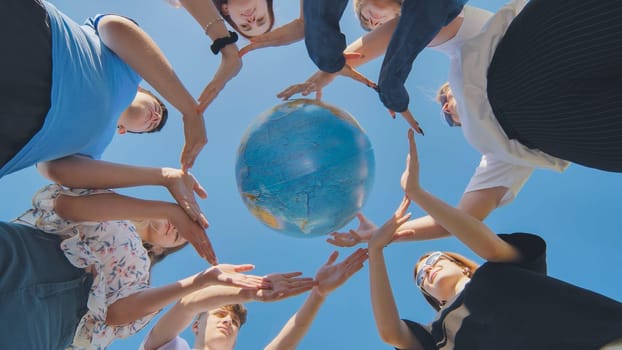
pixel 385 234
pixel 330 276
pixel 284 285
pixel 231 275
pixel 320 79
pixel 410 176
pixel 353 237
pixel 284 35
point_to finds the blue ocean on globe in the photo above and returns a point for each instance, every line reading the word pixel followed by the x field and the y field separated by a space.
pixel 305 168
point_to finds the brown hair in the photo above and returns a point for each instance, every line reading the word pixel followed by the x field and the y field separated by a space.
pixel 456 258
pixel 237 310
pixel 156 257
pixel 219 3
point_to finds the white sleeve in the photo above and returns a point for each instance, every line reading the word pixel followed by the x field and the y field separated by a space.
pixel 493 172
pixel 176 343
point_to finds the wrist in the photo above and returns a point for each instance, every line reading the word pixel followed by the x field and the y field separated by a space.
pixel 316 294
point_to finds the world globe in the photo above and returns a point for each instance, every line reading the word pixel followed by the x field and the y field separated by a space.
pixel 305 168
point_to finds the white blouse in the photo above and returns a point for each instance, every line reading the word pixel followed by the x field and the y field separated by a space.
pixel 505 163
pixel 112 248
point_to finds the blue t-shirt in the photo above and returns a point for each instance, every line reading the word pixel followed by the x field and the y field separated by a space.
pixel 91 87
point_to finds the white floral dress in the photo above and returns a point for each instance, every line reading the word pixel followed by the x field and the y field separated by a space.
pixel 112 248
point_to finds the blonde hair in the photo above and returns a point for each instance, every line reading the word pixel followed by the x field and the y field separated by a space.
pixel 442 92
pixel 469 265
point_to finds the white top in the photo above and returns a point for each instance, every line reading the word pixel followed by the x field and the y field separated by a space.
pixel 505 162
pixel 115 251
pixel 176 343
pixel 474 19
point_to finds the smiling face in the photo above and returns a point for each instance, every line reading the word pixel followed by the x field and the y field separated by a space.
pixel 374 13
pixel 250 17
pixel 144 114
pixel 442 276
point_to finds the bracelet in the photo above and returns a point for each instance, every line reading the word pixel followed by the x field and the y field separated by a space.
pixel 219 43
pixel 209 24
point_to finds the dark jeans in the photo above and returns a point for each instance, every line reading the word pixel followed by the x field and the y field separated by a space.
pixel 555 81
pixel 25 73
pixel 42 295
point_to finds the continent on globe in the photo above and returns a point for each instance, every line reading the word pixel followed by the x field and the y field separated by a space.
pixel 305 168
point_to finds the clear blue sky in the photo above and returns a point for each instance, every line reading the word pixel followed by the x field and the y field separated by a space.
pixel 577 212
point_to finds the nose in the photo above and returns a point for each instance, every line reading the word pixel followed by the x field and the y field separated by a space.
pixel 250 19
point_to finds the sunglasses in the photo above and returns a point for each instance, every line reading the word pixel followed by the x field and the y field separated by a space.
pixel 444 115
pixel 428 262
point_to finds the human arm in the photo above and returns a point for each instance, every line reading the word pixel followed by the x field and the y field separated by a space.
pixel 390 327
pixel 284 35
pixel 469 230
pixel 151 300
pixel 478 204
pixel 328 278
pixel 282 285
pixel 208 17
pixel 83 172
pixel 113 206
pixel 139 51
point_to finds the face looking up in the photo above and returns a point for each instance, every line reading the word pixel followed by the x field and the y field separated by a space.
pixel 220 328
pixel 438 275
pixel 143 115
pixel 163 234
pixel 374 13
pixel 252 17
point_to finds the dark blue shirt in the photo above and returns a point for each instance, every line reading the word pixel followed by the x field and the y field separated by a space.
pixel 419 23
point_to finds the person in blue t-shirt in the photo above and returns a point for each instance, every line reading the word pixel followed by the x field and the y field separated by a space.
pixel 67 88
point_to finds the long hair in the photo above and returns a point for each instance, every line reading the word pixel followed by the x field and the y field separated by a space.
pixel 219 3
pixel 456 258
pixel 156 257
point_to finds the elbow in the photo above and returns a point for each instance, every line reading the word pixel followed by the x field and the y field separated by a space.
pixel 50 170
pixel 388 336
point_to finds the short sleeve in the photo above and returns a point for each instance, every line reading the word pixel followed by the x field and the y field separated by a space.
pixel 93 22
pixel 421 333
pixel 176 343
pixel 532 248
pixel 493 172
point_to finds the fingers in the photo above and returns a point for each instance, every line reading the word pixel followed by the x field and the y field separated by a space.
pixel 356 236
pixel 248 48
pixel 243 267
pixel 331 259
pixel 412 150
pixel 290 274
pixel 198 189
pixel 341 239
pixel 290 91
pixel 412 122
pixel 353 55
pixel 350 72
pixel 204 247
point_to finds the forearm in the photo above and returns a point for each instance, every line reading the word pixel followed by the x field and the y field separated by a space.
pixel 109 206
pixel 468 229
pixel 387 317
pixel 372 45
pixel 298 325
pixel 147 301
pixel 83 172
pixel 205 12
pixel 420 229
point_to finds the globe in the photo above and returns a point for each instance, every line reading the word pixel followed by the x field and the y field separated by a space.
pixel 305 168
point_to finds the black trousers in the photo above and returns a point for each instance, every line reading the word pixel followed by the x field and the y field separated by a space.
pixel 555 81
pixel 25 73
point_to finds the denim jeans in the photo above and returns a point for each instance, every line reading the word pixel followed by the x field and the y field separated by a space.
pixel 42 296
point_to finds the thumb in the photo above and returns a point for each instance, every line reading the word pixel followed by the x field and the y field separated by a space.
pixel 331 259
pixel 243 267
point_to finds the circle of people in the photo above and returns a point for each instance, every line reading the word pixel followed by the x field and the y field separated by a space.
pixel 530 86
